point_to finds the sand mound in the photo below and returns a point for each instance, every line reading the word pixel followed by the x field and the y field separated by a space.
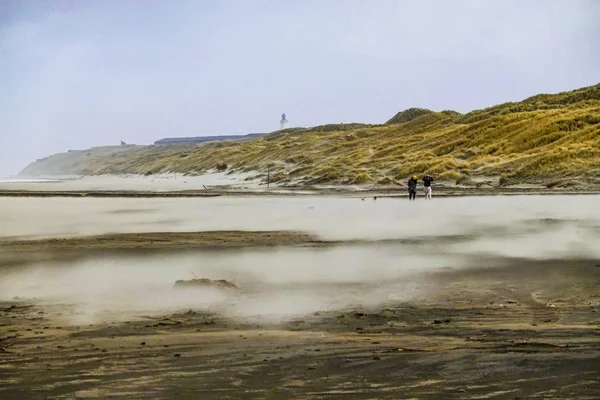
pixel 203 282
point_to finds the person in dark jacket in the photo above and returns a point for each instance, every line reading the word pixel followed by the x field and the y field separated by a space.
pixel 412 188
pixel 427 179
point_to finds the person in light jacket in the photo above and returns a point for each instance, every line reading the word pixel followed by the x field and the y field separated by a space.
pixel 427 179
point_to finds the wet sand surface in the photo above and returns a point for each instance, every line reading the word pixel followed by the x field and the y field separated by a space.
pixel 529 330
pixel 496 305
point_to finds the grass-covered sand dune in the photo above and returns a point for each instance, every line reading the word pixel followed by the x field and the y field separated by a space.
pixel 553 139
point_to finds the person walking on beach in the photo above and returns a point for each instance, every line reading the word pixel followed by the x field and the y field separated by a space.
pixel 427 179
pixel 412 188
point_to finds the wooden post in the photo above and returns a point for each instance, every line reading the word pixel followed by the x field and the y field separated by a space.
pixel 269 175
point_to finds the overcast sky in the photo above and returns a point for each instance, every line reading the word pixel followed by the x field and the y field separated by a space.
pixel 75 74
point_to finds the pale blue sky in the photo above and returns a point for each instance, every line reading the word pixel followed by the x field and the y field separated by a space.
pixel 75 74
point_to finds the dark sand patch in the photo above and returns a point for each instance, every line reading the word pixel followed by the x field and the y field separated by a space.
pixel 340 191
pixel 103 193
pixel 162 240
pixel 484 346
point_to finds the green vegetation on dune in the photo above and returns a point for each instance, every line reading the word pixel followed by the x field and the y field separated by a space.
pixel 408 115
pixel 589 96
pixel 544 138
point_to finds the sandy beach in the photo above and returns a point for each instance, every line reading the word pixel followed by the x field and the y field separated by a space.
pixel 238 184
pixel 458 298
pixel 300 200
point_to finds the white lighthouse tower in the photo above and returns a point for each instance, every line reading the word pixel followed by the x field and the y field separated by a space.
pixel 283 122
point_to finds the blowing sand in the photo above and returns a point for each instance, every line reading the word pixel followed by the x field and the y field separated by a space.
pixel 455 298
pixel 242 184
pixel 133 183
